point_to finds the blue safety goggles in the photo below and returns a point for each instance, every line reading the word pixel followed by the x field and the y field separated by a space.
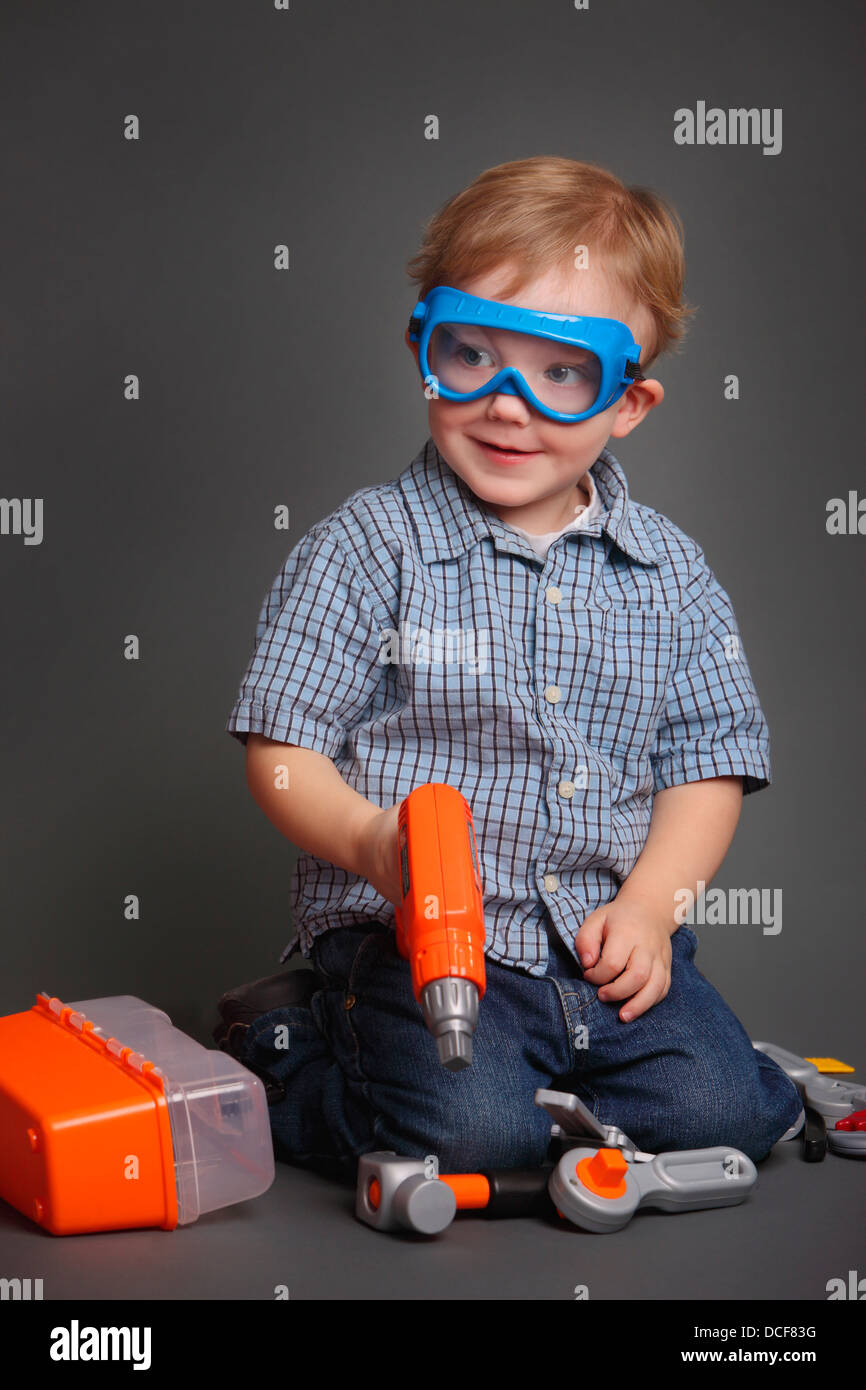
pixel 568 367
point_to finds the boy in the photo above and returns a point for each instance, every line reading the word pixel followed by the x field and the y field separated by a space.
pixel 603 727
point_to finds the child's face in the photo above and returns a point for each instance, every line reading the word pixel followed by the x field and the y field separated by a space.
pixel 537 487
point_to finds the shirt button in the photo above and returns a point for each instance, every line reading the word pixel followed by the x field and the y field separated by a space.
pixel 553 693
pixel 566 789
pixel 551 882
pixel 553 595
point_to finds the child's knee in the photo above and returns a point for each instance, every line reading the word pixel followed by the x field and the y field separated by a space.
pixel 749 1117
pixel 513 1133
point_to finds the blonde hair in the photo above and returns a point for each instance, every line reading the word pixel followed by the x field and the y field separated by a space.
pixel 534 212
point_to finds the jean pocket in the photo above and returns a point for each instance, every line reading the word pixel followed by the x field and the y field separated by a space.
pixel 375 951
pixel 336 951
pixel 685 937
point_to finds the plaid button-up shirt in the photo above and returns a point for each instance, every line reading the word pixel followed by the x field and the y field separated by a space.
pixel 411 636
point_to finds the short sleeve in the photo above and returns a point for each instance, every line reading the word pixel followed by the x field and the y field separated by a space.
pixel 315 668
pixel 712 725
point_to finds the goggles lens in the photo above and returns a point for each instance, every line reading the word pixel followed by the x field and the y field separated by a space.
pixel 564 377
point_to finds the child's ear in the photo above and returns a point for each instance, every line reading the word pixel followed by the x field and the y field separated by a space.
pixel 413 347
pixel 640 398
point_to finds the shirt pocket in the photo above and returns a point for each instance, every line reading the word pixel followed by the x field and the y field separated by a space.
pixel 633 671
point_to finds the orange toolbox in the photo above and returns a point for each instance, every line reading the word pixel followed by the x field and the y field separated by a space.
pixel 111 1118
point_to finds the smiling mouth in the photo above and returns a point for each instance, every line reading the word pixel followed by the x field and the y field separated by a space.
pixel 504 449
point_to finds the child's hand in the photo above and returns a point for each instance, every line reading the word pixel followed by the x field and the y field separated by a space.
pixel 629 944
pixel 379 854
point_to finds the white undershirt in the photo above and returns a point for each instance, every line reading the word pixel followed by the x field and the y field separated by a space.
pixel 583 516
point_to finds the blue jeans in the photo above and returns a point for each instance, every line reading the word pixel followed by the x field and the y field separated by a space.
pixel 361 1071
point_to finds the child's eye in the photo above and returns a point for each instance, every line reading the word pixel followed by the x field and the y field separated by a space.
pixel 472 357
pixel 559 374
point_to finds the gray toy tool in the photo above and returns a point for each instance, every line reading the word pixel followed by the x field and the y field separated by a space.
pixel 833 1099
pixel 574 1120
pixel 599 1184
pixel 395 1192
pixel 602 1178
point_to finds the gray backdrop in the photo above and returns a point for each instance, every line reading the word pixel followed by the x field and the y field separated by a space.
pixel 261 387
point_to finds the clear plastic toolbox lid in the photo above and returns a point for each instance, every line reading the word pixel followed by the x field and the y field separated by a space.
pixel 221 1134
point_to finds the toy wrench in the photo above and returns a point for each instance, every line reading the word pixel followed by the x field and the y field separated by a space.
pixel 602 1179
pixel 834 1101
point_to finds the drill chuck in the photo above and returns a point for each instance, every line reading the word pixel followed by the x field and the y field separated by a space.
pixel 450 1009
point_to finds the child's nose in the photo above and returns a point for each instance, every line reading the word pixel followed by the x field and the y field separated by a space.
pixel 505 407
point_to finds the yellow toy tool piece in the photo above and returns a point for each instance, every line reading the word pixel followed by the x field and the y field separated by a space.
pixel 828 1064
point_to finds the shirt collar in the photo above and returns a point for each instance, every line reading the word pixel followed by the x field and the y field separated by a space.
pixel 449 518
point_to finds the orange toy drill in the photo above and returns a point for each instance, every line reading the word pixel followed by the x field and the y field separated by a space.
pixel 440 925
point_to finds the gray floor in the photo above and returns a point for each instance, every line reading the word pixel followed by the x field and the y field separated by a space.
pixel 801 1226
